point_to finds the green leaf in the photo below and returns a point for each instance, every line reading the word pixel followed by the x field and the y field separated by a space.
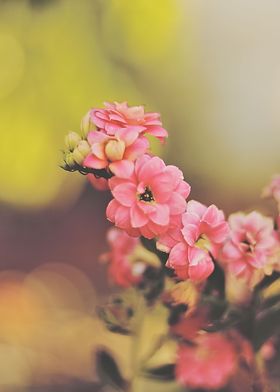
pixel 162 373
pixel 266 324
pixel 108 371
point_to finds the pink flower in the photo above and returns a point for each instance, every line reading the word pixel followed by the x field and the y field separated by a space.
pixel 122 270
pixel 101 184
pixel 200 232
pixel 208 364
pixel 273 189
pixel 117 116
pixel 251 244
pixel 116 153
pixel 146 202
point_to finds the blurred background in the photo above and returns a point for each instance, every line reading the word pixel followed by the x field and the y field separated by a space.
pixel 212 69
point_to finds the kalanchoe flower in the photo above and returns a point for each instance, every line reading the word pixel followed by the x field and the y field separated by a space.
pixel 122 271
pixel 128 259
pixel 273 189
pixel 116 153
pixel 117 116
pixel 146 202
pixel 251 245
pixel 209 363
pixel 192 240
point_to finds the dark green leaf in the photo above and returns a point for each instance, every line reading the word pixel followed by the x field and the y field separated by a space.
pixel 266 325
pixel 108 371
pixel 163 373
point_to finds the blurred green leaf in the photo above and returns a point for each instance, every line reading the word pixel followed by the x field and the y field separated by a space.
pixel 163 373
pixel 266 325
pixel 108 371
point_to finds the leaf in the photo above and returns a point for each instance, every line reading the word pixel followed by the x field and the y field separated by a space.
pixel 266 324
pixel 108 371
pixel 267 281
pixel 162 373
pixel 216 282
pixel 151 246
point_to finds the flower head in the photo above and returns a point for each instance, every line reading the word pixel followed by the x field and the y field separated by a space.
pixel 192 240
pixel 209 363
pixel 251 245
pixel 122 270
pixel 273 189
pixel 117 116
pixel 116 153
pixel 146 202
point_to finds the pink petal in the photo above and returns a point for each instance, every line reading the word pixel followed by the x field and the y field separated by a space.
pixel 218 233
pixel 200 264
pixel 123 168
pixel 178 256
pixel 138 148
pixel 122 217
pixel 146 232
pixel 190 234
pixel 111 210
pixel 184 189
pixel 150 169
pixel 127 135
pixel 125 194
pixel 98 150
pixel 94 163
pixel 211 215
pixel 195 207
pixel 96 137
pixel 231 252
pixel 138 218
pixel 177 204
pixel 161 215
pixel 162 186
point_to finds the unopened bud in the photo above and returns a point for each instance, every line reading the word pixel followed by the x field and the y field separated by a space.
pixel 72 140
pixel 81 152
pixel 69 160
pixel 114 150
pixel 86 125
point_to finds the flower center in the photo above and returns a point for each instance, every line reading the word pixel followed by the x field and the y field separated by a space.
pixel 146 196
pixel 249 243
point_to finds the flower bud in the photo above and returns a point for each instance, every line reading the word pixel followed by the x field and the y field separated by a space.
pixel 114 150
pixel 86 125
pixel 69 160
pixel 72 140
pixel 81 152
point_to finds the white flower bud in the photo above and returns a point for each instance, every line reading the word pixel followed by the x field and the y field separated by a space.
pixel 86 125
pixel 72 140
pixel 81 152
pixel 114 150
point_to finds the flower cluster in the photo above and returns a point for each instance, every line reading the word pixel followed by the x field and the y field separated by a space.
pixel 179 253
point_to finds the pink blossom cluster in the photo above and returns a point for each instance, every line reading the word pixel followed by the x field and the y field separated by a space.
pixel 149 200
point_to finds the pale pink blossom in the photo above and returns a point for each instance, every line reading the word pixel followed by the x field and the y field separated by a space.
pixel 209 363
pixel 99 183
pixel 116 153
pixel 146 202
pixel 251 245
pixel 273 189
pixel 117 116
pixel 122 270
pixel 193 239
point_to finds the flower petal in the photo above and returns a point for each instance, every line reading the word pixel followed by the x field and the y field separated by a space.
pixel 125 194
pixel 94 163
pixel 138 218
pixel 161 214
pixel 123 168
